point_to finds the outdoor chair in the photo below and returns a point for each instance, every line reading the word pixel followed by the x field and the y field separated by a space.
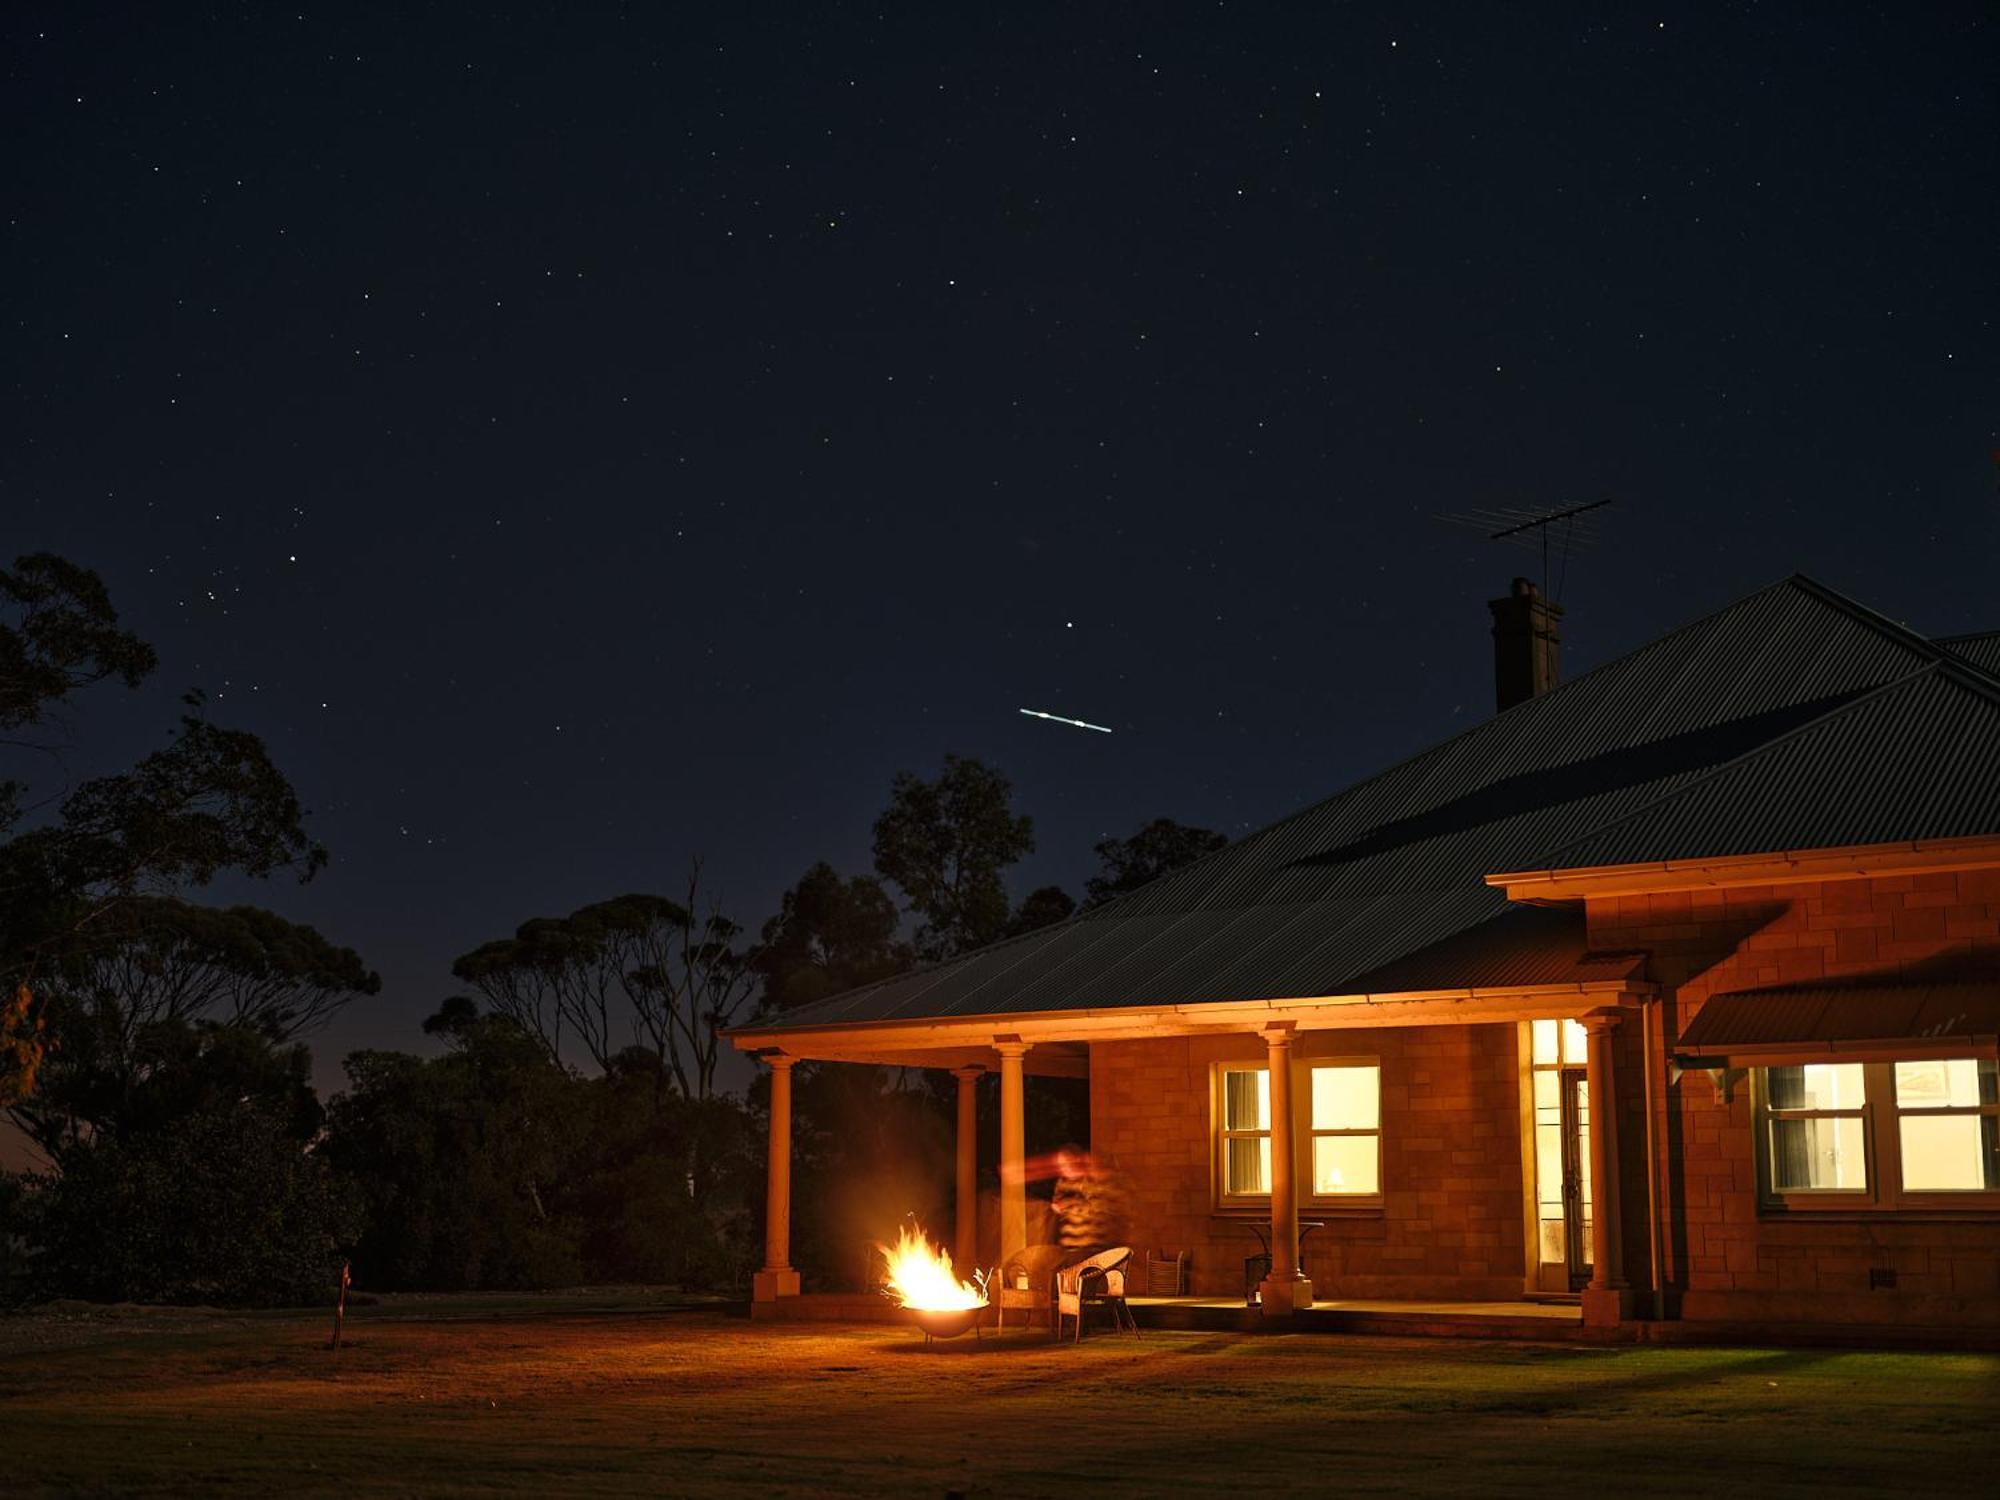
pixel 1025 1282
pixel 1098 1281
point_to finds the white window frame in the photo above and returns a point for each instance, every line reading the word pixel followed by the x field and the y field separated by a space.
pixel 1305 1156
pixel 1219 1118
pixel 1303 1136
pixel 1882 1147
pixel 1987 1199
pixel 1795 1200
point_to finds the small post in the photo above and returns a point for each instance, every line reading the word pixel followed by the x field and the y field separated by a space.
pixel 340 1302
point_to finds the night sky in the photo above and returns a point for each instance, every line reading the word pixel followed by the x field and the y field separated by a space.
pixel 581 438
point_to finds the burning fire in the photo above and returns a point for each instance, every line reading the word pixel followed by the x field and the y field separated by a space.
pixel 920 1275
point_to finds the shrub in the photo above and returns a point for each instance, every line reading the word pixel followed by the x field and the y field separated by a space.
pixel 225 1208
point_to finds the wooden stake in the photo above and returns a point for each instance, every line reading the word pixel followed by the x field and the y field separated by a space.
pixel 340 1302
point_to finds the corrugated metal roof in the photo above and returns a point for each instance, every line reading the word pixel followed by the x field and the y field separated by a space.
pixel 1917 759
pixel 1792 712
pixel 1982 650
pixel 1830 1016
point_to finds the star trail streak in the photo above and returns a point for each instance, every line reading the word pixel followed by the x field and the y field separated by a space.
pixel 1036 713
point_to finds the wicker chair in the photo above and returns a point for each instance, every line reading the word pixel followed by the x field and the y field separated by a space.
pixel 1025 1282
pixel 1100 1280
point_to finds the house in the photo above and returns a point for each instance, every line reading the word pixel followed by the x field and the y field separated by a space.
pixel 1675 988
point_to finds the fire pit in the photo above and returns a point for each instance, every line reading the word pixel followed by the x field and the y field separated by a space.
pixel 919 1277
pixel 949 1323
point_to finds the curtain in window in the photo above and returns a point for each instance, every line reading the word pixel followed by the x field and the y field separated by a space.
pixel 1791 1142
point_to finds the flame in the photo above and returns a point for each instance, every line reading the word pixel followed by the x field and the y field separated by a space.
pixel 919 1275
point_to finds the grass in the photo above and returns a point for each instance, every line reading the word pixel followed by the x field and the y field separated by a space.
pixel 629 1393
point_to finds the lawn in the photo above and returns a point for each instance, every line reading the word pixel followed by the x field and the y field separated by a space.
pixel 630 1394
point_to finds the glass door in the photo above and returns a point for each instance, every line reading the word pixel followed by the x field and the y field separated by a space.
pixel 1562 1157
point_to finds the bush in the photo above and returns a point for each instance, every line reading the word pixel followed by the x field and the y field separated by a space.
pixel 16 1248
pixel 493 1168
pixel 459 1161
pixel 226 1208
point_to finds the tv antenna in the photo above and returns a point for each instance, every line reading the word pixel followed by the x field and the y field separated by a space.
pixel 1563 530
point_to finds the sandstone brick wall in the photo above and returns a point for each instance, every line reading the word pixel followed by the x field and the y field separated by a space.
pixel 1451 1223
pixel 1724 1257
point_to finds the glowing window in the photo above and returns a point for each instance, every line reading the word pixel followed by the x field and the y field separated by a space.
pixel 1246 1132
pixel 1338 1140
pixel 1818 1133
pixel 1559 1042
pixel 1346 1130
pixel 1917 1133
pixel 1948 1125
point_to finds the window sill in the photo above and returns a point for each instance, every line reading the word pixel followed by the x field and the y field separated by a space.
pixel 1261 1213
pixel 1849 1213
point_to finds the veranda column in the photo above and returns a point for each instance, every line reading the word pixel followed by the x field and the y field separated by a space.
pixel 1286 1288
pixel 1013 1148
pixel 1606 1299
pixel 965 1253
pixel 778 1279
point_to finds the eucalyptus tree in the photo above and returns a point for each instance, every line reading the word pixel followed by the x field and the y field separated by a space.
pixel 1160 846
pixel 74 853
pixel 158 973
pixel 670 975
pixel 831 933
pixel 690 976
pixel 947 844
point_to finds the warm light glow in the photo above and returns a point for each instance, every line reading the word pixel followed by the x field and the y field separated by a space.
pixel 919 1275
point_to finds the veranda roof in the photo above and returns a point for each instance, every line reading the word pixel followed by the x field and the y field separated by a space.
pixel 1844 1021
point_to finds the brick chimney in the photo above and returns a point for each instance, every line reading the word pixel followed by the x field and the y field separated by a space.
pixel 1527 644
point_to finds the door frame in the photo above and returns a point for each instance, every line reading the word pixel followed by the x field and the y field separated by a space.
pixel 1554 1280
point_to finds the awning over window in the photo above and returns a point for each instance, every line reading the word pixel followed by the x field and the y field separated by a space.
pixel 1809 1023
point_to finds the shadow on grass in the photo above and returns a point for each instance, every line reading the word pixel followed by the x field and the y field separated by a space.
pixel 901 1342
pixel 1589 1384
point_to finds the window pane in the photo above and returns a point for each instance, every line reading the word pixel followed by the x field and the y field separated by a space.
pixel 1951 1083
pixel 1545 1042
pixel 1555 1240
pixel 1576 1042
pixel 1548 1090
pixel 1345 1164
pixel 1949 1153
pixel 1815 1086
pixel 1246 1094
pixel 1346 1098
pixel 1247 1165
pixel 1822 1155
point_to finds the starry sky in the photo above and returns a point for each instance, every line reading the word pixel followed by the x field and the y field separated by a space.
pixel 580 437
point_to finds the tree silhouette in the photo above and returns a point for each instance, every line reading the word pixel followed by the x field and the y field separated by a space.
pixel 831 933
pixel 1160 846
pixel 946 844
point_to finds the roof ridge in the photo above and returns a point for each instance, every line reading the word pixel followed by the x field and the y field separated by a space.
pixel 1954 646
pixel 1936 647
pixel 1974 680
pixel 1869 615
